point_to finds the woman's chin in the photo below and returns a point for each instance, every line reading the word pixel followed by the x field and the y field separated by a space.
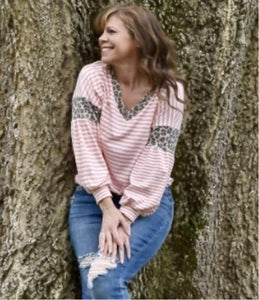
pixel 106 60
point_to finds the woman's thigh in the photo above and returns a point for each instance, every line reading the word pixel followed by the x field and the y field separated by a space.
pixel 148 234
pixel 85 219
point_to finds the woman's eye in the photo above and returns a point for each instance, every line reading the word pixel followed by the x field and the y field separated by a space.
pixel 111 31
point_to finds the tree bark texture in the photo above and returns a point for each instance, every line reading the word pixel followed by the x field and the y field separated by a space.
pixel 211 251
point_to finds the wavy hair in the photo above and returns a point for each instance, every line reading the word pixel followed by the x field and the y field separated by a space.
pixel 158 59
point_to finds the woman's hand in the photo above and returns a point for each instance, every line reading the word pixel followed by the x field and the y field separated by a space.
pixel 112 221
pixel 125 243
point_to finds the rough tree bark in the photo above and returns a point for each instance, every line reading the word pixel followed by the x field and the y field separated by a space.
pixel 211 251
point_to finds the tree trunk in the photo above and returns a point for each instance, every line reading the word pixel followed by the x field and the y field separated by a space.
pixel 43 45
pixel 211 251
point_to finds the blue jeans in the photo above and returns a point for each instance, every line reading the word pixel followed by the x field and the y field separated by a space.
pixel 101 278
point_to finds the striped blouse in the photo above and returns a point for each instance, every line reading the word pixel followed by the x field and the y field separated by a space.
pixel 129 152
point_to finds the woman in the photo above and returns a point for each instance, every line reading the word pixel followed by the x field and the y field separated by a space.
pixel 126 117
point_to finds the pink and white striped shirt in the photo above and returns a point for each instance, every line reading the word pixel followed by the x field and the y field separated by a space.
pixel 127 152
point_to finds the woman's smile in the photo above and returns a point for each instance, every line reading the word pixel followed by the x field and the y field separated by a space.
pixel 106 49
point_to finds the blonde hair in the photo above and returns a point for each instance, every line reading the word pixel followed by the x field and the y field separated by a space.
pixel 158 59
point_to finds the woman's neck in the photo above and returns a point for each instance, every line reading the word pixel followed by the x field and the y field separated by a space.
pixel 129 76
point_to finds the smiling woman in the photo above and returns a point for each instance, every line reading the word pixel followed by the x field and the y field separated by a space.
pixel 127 111
pixel 116 44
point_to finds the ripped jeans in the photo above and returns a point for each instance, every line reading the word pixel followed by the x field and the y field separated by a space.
pixel 100 277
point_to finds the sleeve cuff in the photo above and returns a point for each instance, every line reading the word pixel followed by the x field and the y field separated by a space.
pixel 129 212
pixel 101 193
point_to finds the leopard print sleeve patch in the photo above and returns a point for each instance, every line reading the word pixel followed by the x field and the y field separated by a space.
pixel 164 137
pixel 85 109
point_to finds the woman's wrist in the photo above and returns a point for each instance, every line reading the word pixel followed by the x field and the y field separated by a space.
pixel 106 204
pixel 127 219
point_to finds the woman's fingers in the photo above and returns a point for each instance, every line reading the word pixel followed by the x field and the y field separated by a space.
pixel 109 243
pixel 105 243
pixel 105 250
pixel 127 247
pixel 124 246
pixel 101 241
pixel 117 238
pixel 121 254
pixel 125 225
pixel 114 251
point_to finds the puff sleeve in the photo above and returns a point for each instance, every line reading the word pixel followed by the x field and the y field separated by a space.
pixel 153 168
pixel 92 171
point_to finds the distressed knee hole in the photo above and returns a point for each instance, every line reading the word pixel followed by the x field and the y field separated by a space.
pixel 98 265
pixel 86 260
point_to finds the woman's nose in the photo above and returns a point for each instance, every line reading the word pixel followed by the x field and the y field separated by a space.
pixel 102 37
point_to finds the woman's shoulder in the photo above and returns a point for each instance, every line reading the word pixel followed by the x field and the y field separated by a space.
pixel 95 70
pixel 94 76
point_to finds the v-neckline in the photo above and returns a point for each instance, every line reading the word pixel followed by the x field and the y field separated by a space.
pixel 133 111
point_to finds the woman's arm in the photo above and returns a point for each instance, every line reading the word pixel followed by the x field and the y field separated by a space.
pixel 91 166
pixel 153 168
pixel 92 171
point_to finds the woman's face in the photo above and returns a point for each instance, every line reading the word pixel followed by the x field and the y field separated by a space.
pixel 116 44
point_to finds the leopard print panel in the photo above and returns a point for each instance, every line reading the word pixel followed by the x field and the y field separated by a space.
pixel 84 109
pixel 164 137
pixel 127 113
